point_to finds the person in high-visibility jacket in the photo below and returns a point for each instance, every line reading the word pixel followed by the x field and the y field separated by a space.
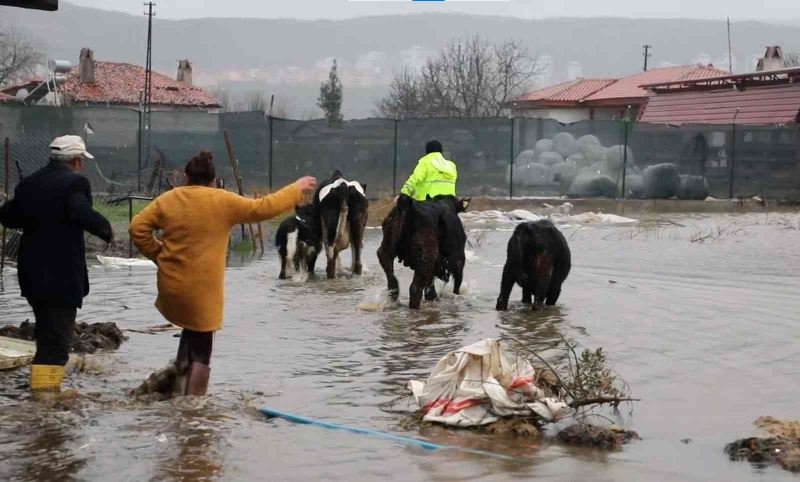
pixel 433 176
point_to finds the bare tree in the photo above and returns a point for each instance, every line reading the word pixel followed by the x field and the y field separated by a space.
pixel 19 57
pixel 791 58
pixel 468 78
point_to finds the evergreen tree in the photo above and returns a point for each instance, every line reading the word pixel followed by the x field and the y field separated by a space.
pixel 330 96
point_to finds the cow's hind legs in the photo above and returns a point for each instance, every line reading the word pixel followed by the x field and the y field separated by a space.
pixel 430 293
pixel 457 266
pixel 423 278
pixel 386 259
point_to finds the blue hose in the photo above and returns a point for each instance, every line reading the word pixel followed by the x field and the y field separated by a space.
pixel 271 412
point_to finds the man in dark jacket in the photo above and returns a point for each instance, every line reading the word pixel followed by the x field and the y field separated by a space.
pixel 53 207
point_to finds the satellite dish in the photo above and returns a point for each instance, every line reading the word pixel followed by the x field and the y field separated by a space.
pixel 22 94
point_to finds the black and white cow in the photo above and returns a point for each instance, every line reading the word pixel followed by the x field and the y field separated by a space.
pixel 298 241
pixel 341 208
pixel 428 237
pixel 538 259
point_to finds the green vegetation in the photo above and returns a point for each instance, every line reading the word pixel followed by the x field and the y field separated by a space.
pixel 117 214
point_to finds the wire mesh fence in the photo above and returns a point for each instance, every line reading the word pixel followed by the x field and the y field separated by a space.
pixel 495 156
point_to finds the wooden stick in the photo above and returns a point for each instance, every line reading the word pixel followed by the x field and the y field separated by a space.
pixel 260 231
pixel 235 166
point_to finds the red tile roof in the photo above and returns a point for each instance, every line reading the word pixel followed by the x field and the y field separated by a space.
pixel 120 83
pixel 629 87
pixel 570 91
pixel 771 104
pixel 586 91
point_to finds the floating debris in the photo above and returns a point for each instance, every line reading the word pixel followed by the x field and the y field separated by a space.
pixel 588 435
pixel 783 448
pixel 89 338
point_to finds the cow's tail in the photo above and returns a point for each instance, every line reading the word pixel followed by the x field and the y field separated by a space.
pixel 342 237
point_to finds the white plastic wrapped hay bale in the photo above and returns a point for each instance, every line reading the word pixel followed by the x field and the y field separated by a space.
pixel 614 158
pixel 565 144
pixel 563 174
pixel 535 174
pixel 525 157
pixel 591 184
pixel 550 158
pixel 693 187
pixel 598 167
pixel 634 186
pixel 578 160
pixel 585 143
pixel 661 181
pixel 543 145
pixel 594 153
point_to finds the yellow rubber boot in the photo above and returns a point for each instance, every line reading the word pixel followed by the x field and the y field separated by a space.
pixel 46 378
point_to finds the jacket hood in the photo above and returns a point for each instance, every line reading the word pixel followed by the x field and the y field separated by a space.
pixel 446 168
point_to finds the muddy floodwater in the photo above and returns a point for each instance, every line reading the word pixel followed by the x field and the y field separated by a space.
pixel 700 314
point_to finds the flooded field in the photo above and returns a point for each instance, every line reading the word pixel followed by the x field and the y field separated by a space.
pixel 698 313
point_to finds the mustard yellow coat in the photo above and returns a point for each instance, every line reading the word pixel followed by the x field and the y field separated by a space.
pixel 195 222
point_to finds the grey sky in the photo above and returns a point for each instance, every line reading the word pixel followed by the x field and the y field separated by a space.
pixel 774 10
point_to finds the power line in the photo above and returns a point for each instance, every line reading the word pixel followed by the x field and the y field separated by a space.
pixel 646 54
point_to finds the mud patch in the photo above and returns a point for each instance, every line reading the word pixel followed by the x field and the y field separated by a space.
pixel 587 435
pixel 89 338
pixel 162 384
pixel 783 448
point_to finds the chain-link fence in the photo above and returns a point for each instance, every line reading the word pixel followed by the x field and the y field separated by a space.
pixel 495 156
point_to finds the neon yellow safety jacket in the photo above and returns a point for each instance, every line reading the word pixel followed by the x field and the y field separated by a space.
pixel 433 176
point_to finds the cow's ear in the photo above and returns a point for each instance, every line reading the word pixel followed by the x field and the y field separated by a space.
pixel 465 203
pixel 364 187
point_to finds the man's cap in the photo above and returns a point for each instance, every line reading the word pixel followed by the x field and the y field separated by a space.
pixel 69 146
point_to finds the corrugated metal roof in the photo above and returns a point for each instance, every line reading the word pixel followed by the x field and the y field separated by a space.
pixel 567 92
pixel 773 104
pixel 629 87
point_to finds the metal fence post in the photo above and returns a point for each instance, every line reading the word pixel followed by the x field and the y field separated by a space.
pixel 394 160
pixel 511 163
pixel 6 163
pixel 270 152
pixel 130 218
pixel 733 154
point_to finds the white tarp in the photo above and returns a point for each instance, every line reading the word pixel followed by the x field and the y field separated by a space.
pixel 559 216
pixel 480 383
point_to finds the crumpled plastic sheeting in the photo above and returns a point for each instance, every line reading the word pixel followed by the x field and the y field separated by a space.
pixel 480 383
pixel 560 217
pixel 112 262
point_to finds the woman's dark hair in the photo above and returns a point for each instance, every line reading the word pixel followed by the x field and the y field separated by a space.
pixel 433 146
pixel 200 169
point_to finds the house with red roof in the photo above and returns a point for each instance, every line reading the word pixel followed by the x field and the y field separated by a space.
pixel 607 98
pixel 114 84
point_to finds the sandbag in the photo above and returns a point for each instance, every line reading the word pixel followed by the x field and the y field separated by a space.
pixel 661 181
pixel 592 184
pixel 565 144
pixel 693 187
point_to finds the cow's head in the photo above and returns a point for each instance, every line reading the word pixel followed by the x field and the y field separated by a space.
pixel 463 204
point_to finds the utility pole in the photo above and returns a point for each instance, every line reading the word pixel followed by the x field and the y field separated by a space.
pixel 646 54
pixel 148 82
pixel 730 55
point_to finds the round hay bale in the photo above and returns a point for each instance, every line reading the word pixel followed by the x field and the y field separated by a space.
pixel 588 141
pixel 535 174
pixel 578 160
pixel 614 158
pixel 591 184
pixel 550 158
pixel 565 144
pixel 543 145
pixel 693 187
pixel 634 186
pixel 661 181
pixel 564 174
pixel 599 167
pixel 525 157
pixel 594 153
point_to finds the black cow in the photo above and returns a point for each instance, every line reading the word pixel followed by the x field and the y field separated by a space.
pixel 341 208
pixel 428 237
pixel 298 241
pixel 539 260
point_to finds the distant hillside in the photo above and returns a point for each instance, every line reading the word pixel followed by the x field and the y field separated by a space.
pixel 602 46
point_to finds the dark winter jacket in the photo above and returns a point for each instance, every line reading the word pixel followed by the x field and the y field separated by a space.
pixel 53 207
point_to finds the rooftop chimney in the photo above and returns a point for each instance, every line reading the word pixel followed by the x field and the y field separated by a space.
pixel 185 71
pixel 87 66
pixel 772 60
